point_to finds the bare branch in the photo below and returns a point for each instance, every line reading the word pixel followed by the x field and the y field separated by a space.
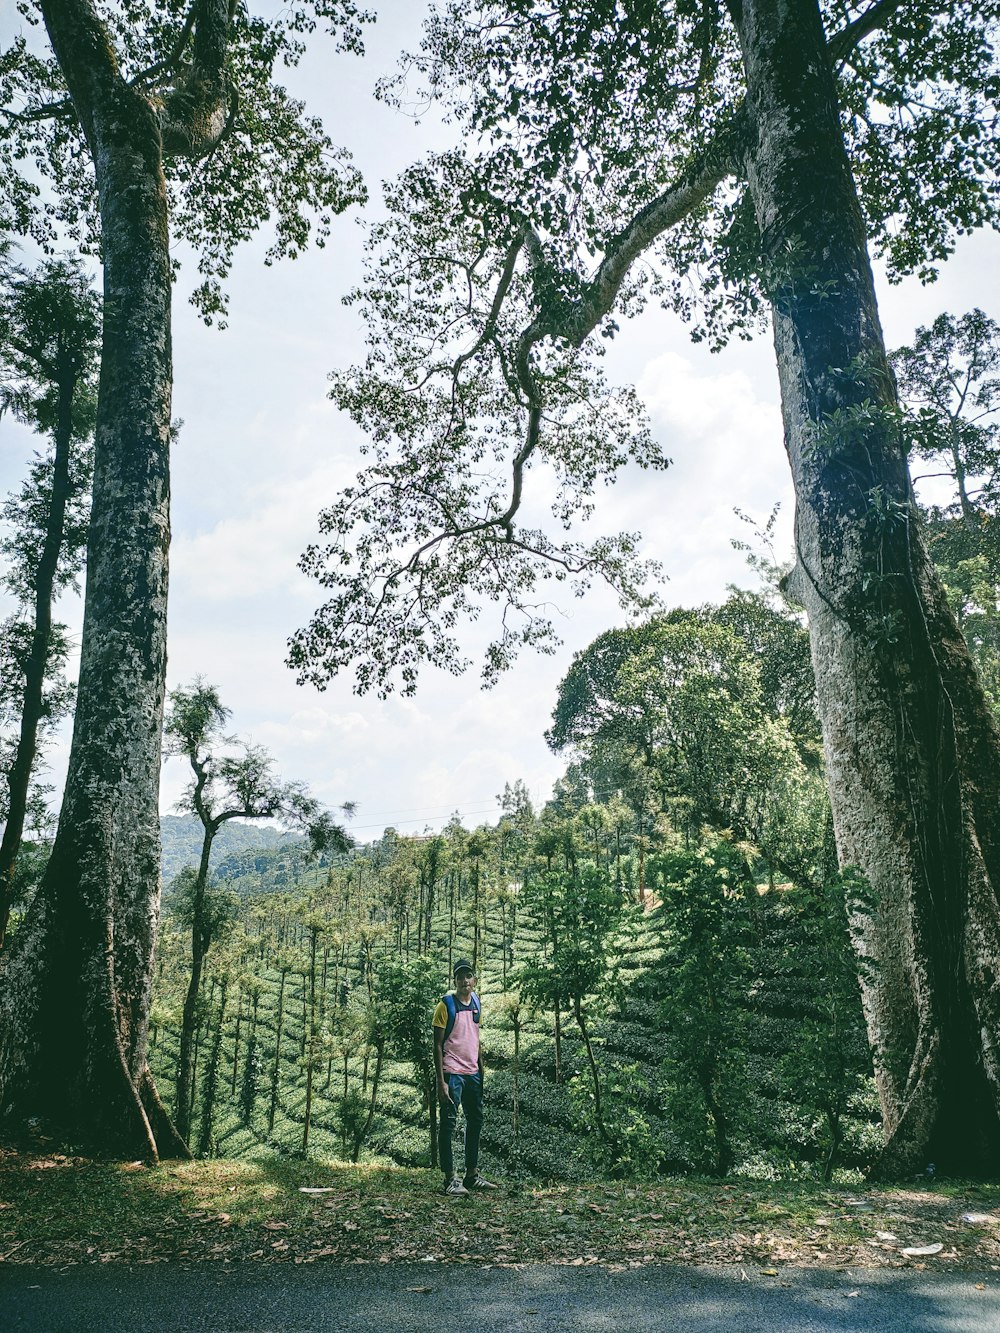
pixel 503 287
pixel 63 110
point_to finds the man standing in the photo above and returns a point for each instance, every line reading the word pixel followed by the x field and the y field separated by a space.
pixel 459 1063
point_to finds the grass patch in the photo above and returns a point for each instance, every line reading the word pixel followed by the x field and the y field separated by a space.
pixel 61 1210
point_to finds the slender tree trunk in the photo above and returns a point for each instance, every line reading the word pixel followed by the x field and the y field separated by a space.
pixel 513 928
pixel 362 1138
pixel 430 1092
pixel 430 911
pixel 311 1048
pixel 969 515
pixel 475 917
pixel 503 944
pixel 32 707
pixel 276 1064
pixel 199 948
pixel 595 1076
pixel 76 995
pixel 189 1108
pixel 211 1080
pixel 912 749
pixel 451 921
pixel 836 1132
pixel 717 1114
pixel 307 1121
pixel 516 1076
pixel 236 1039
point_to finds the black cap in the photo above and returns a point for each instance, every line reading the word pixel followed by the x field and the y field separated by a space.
pixel 463 965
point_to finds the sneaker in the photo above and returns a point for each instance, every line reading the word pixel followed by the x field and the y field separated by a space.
pixel 479 1182
pixel 454 1186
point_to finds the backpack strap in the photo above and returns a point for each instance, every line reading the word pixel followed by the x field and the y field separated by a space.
pixel 449 1003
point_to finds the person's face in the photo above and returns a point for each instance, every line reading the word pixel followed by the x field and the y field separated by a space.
pixel 464 984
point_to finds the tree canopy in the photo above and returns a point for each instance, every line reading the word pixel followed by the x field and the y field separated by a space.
pixel 239 150
pixel 605 166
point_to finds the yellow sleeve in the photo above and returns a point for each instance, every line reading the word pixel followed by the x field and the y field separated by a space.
pixel 440 1019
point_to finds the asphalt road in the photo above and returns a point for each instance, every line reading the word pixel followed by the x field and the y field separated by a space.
pixel 459 1298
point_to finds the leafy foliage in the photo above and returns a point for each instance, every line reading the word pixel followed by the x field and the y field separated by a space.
pixel 949 380
pixel 393 609
pixel 703 892
pixel 606 159
pixel 658 995
pixel 274 164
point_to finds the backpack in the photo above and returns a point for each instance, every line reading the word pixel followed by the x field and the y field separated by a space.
pixel 449 1003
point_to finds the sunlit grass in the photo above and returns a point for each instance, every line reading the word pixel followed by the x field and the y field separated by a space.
pixel 60 1210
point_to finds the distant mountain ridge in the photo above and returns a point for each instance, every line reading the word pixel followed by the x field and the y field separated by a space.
pixel 181 837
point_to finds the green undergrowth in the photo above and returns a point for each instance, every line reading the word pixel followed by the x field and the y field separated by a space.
pixel 59 1210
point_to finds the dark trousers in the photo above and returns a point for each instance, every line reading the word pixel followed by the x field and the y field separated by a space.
pixel 466 1091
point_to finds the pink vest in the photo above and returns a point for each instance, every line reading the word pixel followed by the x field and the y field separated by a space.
pixel 461 1048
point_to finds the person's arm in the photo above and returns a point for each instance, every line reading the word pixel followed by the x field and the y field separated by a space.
pixel 443 1094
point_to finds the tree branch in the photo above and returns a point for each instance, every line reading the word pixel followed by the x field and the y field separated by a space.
pixel 842 43
pixel 171 61
pixel 576 321
pixel 199 111
pixel 85 55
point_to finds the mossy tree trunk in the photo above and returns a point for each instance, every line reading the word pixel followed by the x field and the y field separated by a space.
pixel 912 749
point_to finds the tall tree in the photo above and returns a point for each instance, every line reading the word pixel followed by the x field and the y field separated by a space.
pixel 682 696
pixel 228 782
pixel 949 381
pixel 141 113
pixel 49 330
pixel 746 153
pixel 949 377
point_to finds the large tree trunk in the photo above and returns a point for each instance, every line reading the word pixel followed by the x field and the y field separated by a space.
pixel 912 750
pixel 76 989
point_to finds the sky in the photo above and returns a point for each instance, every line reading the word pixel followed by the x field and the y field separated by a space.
pixel 262 449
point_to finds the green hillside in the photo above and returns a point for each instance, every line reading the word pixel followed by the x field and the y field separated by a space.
pixel 295 1007
pixel 181 837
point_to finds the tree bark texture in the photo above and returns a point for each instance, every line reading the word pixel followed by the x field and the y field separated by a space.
pixel 912 749
pixel 76 989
